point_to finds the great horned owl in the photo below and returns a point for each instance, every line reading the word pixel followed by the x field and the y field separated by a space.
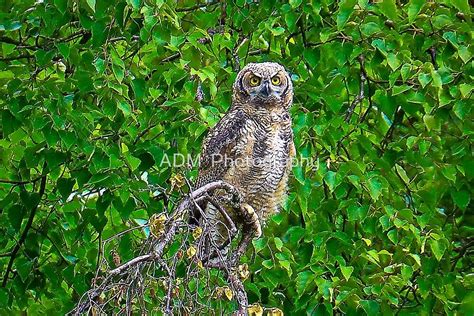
pixel 251 148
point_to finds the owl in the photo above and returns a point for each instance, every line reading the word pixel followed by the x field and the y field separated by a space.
pixel 251 148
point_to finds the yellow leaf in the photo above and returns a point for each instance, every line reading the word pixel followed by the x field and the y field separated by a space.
pixel 244 271
pixel 200 265
pixel 255 310
pixel 219 292
pixel 367 241
pixel 191 251
pixel 228 293
pixel 274 312
pixel 222 292
pixel 197 232
pixel 177 181
pixel 123 148
pixel 157 224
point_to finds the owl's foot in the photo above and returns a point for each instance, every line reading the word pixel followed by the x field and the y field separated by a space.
pixel 251 220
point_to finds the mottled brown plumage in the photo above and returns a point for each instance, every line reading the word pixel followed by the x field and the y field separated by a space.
pixel 251 147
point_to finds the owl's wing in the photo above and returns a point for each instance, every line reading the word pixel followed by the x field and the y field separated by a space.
pixel 222 146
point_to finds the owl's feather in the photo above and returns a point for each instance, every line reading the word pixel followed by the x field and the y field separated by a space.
pixel 220 147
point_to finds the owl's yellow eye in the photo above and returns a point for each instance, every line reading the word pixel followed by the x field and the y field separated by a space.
pixel 276 81
pixel 254 81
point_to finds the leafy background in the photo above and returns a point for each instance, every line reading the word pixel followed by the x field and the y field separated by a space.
pixel 94 93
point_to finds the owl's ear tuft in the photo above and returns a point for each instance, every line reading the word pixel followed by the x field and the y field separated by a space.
pixel 239 90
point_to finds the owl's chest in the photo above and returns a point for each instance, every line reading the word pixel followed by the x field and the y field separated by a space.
pixel 269 153
pixel 270 143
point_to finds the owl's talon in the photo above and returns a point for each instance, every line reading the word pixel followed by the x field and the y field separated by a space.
pixel 251 219
pixel 258 231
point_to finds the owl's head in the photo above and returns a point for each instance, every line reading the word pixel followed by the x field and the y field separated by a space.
pixel 263 85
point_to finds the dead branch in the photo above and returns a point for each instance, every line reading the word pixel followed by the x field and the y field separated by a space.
pixel 122 288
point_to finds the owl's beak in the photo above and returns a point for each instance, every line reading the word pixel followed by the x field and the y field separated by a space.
pixel 265 91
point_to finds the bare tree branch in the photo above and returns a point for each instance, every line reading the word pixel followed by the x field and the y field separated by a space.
pixel 129 278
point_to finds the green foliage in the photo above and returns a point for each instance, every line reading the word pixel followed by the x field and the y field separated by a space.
pixel 94 93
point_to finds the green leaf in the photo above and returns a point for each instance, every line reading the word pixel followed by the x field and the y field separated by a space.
pixel 303 280
pixel 133 162
pixel 4 297
pixel 464 53
pixel 287 266
pixel 8 48
pixel 452 38
pixel 7 74
pixel 65 187
pixel 462 5
pixel 259 244
pixel 330 179
pixel 267 264
pixel 414 8
pixel 9 123
pixel 346 8
pixel 16 213
pixel 402 173
pixel 64 50
pixel 294 234
pixel 424 79
pixel 432 123
pixel 461 198
pixel 91 4
pixel 61 5
pixel 291 18
pixel 135 4
pixel 393 236
pixel 118 72
pixel 388 8
pixel 393 61
pixel 139 86
pixel 98 34
pixel 437 82
pixel 371 307
pixel 295 3
pixel 357 213
pixel 278 243
pixel 466 89
pixel 461 109
pixel 278 31
pixel 370 28
pixel 125 108
pixel 417 258
pixel 441 20
pixel 311 55
pixel 118 66
pixel 449 172
pixel 347 272
pixel 23 266
pixel 375 188
pixel 400 89
pixel 438 247
pixel 10 26
pixel 407 272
